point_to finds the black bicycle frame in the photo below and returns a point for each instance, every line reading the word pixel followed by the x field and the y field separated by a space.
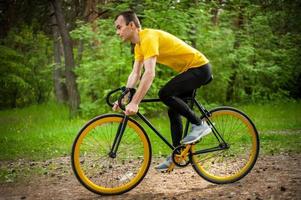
pixel 118 137
pixel 205 114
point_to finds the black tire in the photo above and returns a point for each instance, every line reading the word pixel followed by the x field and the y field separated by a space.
pixel 230 165
pixel 99 172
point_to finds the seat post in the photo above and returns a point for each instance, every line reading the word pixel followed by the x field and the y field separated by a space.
pixel 192 98
pixel 193 93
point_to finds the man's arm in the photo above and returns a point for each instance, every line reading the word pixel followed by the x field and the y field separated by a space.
pixel 132 79
pixel 135 74
pixel 145 83
pixel 146 80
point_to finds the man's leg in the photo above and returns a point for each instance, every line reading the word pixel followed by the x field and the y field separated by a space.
pixel 181 84
pixel 176 127
pixel 172 93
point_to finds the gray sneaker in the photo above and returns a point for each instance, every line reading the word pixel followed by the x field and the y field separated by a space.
pixel 163 167
pixel 197 131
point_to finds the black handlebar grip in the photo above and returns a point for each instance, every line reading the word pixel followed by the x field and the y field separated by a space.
pixel 112 92
pixel 125 92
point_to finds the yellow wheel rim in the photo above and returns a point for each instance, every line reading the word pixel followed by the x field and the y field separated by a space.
pixel 111 189
pixel 211 167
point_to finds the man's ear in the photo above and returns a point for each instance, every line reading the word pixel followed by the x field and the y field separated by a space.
pixel 132 24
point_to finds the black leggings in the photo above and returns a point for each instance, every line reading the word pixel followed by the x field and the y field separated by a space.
pixel 175 90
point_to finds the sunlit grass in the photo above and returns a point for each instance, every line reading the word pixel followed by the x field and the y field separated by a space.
pixel 275 116
pixel 45 131
pixel 42 132
pixel 37 132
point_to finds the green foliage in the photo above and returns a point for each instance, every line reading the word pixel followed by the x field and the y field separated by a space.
pixel 251 61
pixel 102 68
pixel 24 66
pixel 252 47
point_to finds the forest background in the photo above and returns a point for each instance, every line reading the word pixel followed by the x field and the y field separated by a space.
pixel 68 51
pixel 60 58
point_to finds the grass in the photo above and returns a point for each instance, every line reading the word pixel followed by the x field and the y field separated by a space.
pixel 45 131
pixel 279 125
pixel 37 132
pixel 275 116
pixel 42 132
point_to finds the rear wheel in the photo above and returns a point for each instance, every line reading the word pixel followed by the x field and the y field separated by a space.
pixel 97 169
pixel 232 163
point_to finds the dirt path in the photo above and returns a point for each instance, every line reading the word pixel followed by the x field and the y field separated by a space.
pixel 273 177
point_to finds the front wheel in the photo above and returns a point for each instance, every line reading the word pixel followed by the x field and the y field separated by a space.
pixel 94 165
pixel 236 160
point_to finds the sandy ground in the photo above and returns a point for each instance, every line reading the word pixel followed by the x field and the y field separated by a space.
pixel 273 177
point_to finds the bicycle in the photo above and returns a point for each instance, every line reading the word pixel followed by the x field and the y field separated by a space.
pixel 112 153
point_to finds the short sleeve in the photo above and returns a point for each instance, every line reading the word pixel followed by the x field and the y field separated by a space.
pixel 150 46
pixel 138 53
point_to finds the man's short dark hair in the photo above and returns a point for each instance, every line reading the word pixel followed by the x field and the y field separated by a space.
pixel 129 16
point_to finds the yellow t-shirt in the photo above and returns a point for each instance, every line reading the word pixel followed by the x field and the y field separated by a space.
pixel 169 50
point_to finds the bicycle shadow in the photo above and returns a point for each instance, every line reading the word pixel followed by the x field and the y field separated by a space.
pixel 194 192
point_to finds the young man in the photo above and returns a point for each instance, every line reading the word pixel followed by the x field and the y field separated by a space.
pixel 152 46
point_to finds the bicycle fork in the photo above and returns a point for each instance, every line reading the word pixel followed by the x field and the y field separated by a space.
pixel 118 137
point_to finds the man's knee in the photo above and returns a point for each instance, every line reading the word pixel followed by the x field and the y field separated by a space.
pixel 171 112
pixel 163 94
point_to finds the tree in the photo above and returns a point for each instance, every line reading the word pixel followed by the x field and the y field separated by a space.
pixel 60 89
pixel 73 95
pixel 238 25
pixel 25 76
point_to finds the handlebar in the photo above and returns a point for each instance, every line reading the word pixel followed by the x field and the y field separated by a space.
pixel 110 94
pixel 125 91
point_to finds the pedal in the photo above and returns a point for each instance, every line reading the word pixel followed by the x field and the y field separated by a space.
pixel 171 168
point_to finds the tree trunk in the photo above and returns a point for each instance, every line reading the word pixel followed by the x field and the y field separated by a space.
pixel 8 16
pixel 74 98
pixel 215 14
pixel 60 89
pixel 238 23
pixel 90 15
pixel 193 30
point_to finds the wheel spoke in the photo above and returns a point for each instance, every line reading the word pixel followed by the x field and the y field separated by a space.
pixel 111 175
pixel 233 163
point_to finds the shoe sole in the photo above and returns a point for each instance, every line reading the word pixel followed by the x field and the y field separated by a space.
pixel 165 170
pixel 198 138
pixel 162 170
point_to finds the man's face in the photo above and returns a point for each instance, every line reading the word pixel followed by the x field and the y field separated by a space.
pixel 124 31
